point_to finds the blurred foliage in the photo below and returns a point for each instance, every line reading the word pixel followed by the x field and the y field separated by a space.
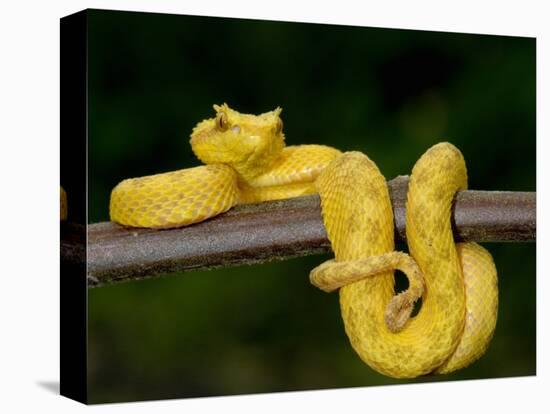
pixel 389 93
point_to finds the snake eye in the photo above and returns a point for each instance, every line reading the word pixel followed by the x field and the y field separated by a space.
pixel 221 121
pixel 279 127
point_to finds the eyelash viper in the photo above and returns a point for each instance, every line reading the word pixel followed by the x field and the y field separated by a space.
pixel 247 161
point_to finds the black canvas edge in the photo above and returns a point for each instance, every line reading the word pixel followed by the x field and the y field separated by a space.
pixel 73 173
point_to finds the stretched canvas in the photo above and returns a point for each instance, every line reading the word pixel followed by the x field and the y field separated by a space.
pixel 157 307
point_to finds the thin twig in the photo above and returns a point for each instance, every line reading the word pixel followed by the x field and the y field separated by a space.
pixel 277 230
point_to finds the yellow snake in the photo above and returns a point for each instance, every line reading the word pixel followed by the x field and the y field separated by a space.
pixel 247 161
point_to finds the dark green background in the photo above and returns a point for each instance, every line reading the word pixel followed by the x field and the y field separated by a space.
pixel 389 93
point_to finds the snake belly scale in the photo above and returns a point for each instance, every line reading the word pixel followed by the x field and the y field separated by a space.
pixel 247 162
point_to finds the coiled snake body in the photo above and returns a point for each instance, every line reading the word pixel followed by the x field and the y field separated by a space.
pixel 246 161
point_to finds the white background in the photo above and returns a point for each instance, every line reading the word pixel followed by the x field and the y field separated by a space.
pixel 29 230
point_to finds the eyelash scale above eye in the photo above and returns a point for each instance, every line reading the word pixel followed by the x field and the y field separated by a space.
pixel 221 121
pixel 279 125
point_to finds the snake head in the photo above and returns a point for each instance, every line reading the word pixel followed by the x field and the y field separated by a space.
pixel 249 143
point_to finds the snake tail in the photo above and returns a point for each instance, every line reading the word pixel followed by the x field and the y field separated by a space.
pixel 457 283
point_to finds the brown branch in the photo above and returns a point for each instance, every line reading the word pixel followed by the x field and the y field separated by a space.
pixel 277 230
